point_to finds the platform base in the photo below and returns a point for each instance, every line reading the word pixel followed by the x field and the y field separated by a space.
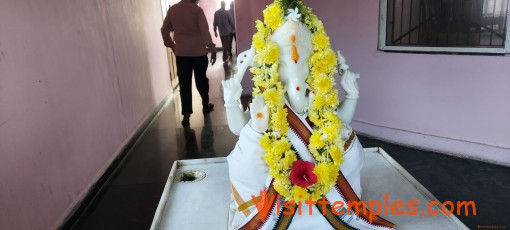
pixel 205 204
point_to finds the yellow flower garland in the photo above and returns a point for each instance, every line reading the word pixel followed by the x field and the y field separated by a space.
pixel 326 145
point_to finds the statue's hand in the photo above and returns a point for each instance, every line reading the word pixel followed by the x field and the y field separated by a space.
pixel 232 90
pixel 350 84
pixel 243 57
pixel 244 60
pixel 341 64
pixel 259 114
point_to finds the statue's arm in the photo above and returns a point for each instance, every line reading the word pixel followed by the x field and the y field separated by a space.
pixel 232 91
pixel 349 83
pixel 347 109
pixel 236 118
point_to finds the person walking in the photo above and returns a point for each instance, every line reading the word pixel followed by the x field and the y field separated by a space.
pixel 190 43
pixel 225 24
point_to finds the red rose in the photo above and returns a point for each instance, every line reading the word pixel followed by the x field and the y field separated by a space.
pixel 302 174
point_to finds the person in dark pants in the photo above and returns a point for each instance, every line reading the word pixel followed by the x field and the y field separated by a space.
pixel 190 43
pixel 225 24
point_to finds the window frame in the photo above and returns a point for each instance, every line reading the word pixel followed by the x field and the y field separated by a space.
pixel 383 9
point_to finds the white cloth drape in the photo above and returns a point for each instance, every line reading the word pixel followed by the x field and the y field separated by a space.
pixel 249 175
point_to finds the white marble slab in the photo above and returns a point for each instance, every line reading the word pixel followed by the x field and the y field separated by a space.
pixel 205 204
pixel 382 175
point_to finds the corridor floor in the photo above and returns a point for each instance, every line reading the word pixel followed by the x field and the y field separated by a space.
pixel 130 200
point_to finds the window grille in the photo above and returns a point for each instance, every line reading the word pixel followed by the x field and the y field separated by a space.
pixel 472 26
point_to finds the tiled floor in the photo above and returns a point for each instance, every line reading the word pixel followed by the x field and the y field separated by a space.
pixel 130 200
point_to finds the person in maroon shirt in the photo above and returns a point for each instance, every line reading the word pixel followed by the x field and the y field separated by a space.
pixel 191 42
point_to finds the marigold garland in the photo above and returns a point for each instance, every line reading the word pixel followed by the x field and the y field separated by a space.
pixel 326 144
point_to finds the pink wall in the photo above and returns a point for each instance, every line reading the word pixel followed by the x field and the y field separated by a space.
pixel 247 12
pixel 451 103
pixel 76 80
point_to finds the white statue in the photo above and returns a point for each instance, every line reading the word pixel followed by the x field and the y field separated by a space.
pixel 232 91
pixel 247 168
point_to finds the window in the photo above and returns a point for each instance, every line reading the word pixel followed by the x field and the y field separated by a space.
pixel 458 26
